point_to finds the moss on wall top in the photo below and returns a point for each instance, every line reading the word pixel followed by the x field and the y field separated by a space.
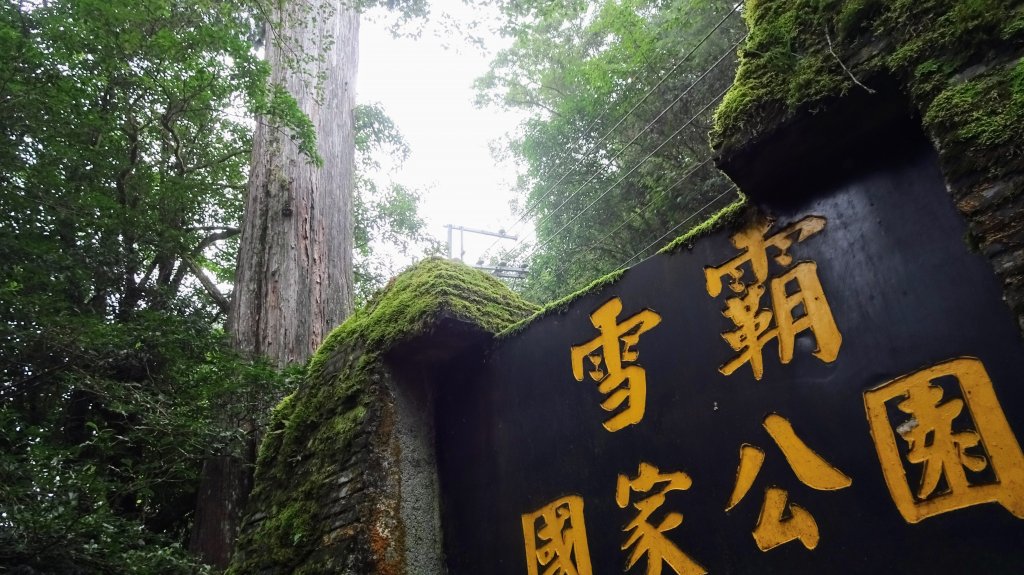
pixel 417 298
pixel 720 219
pixel 957 60
pixel 305 465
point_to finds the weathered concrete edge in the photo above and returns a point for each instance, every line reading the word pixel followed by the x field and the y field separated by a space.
pixel 346 480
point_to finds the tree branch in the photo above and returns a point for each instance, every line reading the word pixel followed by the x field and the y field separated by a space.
pixel 226 232
pixel 845 69
pixel 220 299
pixel 218 160
pixel 25 384
pixel 211 228
pixel 209 240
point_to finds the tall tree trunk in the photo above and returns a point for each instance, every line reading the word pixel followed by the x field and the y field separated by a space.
pixel 294 277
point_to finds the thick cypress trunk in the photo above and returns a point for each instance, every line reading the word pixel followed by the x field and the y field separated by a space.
pixel 294 277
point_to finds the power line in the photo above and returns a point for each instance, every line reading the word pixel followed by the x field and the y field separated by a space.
pixel 673 230
pixel 596 173
pixel 627 174
pixel 635 214
pixel 529 208
pixel 643 99
pixel 677 226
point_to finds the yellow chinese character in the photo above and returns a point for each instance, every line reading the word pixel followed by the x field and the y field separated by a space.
pixel 778 522
pixel 942 452
pixel 622 384
pixel 796 290
pixel 646 538
pixel 556 539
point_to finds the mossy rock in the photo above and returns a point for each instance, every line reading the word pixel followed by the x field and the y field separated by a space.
pixel 956 62
pixel 315 432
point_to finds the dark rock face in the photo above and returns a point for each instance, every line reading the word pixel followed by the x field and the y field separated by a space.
pixel 346 479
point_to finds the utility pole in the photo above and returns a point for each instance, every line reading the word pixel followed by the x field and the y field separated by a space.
pixel 501 270
pixel 462 236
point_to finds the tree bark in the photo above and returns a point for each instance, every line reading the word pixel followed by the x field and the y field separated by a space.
pixel 294 277
pixel 224 486
pixel 293 282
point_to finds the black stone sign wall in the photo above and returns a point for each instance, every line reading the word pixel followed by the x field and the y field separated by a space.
pixel 531 475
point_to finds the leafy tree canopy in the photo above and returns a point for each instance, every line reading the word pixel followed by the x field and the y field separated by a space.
pixel 125 141
pixel 387 222
pixel 621 93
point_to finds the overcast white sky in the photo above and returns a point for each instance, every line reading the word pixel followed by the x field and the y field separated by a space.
pixel 428 92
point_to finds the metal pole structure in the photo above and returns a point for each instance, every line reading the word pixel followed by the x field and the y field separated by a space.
pixel 462 238
pixel 504 271
pixel 499 271
pixel 498 234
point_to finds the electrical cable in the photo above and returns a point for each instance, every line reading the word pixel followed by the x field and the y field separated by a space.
pixel 636 213
pixel 677 226
pixel 731 50
pixel 664 77
pixel 627 174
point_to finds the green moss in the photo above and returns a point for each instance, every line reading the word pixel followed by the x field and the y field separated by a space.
pixel 312 431
pixel 855 16
pixel 930 78
pixel 978 124
pixel 981 116
pixel 562 304
pixel 781 64
pixel 1014 26
pixel 279 418
pixel 720 219
pixel 415 299
pixel 800 55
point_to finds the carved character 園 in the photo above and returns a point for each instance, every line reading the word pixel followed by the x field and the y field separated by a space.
pixel 949 460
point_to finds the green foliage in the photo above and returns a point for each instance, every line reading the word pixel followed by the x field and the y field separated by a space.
pixel 387 221
pixel 562 304
pixel 124 144
pixel 717 221
pixel 277 103
pixel 125 141
pixel 616 152
pixel 102 455
pixel 720 219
